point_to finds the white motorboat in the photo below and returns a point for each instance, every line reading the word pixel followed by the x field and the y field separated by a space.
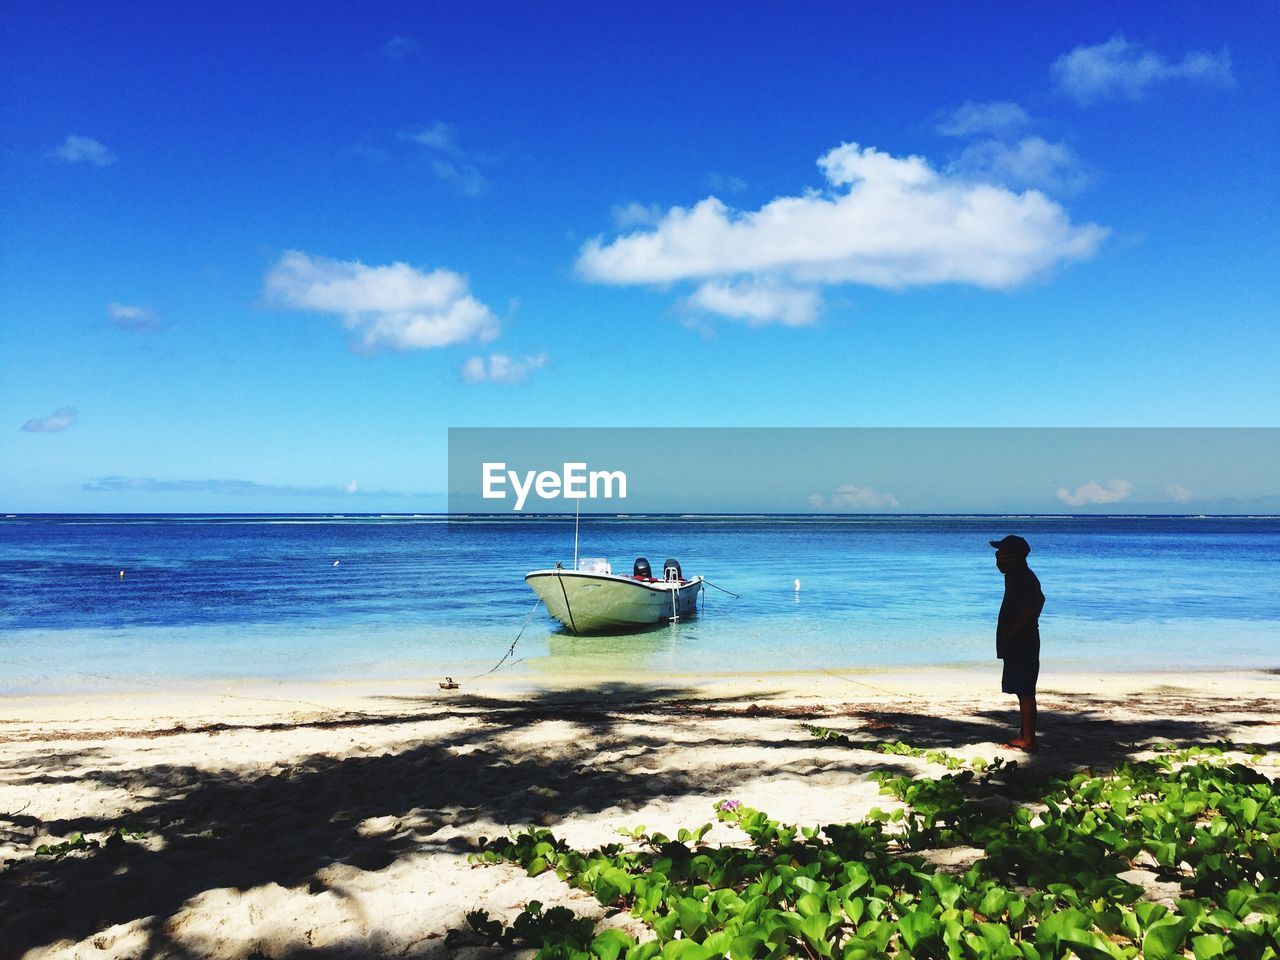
pixel 594 599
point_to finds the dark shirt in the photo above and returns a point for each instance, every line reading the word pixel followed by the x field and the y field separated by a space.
pixel 1022 599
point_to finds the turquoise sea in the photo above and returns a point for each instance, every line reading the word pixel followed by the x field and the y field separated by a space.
pixel 354 597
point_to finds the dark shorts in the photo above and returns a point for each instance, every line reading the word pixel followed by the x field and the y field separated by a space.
pixel 1020 674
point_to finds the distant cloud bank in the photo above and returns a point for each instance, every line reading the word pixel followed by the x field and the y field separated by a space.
pixel 56 422
pixel 77 149
pixel 1093 492
pixel 392 307
pixel 1118 68
pixel 853 498
pixel 228 487
pixel 883 221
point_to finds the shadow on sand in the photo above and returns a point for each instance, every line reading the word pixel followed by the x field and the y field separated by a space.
pixel 226 829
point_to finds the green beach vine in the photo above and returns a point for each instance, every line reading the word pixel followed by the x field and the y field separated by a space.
pixel 1047 885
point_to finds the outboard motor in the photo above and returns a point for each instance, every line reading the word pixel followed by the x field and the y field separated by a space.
pixel 641 570
pixel 671 570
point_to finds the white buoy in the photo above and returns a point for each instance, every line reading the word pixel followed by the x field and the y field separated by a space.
pixel 797 584
pixel 121 574
pixel 336 562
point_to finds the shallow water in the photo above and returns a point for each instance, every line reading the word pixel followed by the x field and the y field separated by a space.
pixel 260 597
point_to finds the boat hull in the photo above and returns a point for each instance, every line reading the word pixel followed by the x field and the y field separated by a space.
pixel 599 603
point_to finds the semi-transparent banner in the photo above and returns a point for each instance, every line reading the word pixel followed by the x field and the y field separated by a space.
pixel 555 470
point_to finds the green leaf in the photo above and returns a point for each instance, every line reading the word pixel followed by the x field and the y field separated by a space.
pixel 1249 810
pixel 809 885
pixel 1055 925
pixel 1209 946
pixel 618 878
pixel 1164 937
pixel 752 909
pixel 1131 926
pixel 718 943
pixel 1065 891
pixel 814 929
pixel 994 935
pixel 1238 901
pixel 994 902
pixel 1223 918
pixel 746 947
pixel 1088 945
pixel 1191 908
pixel 915 927
pixel 1148 913
pixel 810 904
pixel 947 889
pixel 856 876
pixel 1165 853
pixel 1267 903
pixel 693 915
pixel 685 950
pixel 665 927
pixel 609 944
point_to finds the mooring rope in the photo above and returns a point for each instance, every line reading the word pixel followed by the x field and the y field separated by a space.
pixel 512 649
pixel 722 589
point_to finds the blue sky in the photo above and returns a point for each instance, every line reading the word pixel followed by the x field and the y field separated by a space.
pixel 262 258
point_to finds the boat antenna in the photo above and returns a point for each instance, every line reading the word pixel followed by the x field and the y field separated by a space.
pixel 576 508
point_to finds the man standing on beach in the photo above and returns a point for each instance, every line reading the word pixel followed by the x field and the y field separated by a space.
pixel 1018 633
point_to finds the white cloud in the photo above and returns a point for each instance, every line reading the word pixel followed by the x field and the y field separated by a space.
pixel 1031 162
pixel 883 221
pixel 392 307
pixel 626 216
pixel 466 177
pixel 850 497
pixel 54 423
pixel 399 47
pixel 1121 68
pixel 128 317
pixel 437 135
pixel 500 368
pixel 77 149
pixel 758 302
pixel 726 184
pixel 1177 493
pixel 450 162
pixel 1093 492
pixel 970 119
pixel 352 487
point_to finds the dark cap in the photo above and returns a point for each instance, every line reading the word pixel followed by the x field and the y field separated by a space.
pixel 1011 544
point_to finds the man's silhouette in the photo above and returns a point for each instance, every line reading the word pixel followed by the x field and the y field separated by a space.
pixel 1018 633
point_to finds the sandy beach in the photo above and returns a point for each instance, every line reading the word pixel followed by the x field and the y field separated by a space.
pixel 336 820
